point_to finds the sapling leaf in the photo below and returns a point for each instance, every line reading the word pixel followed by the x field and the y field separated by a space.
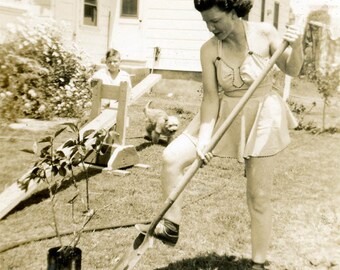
pixel 24 182
pixel 55 170
pixel 44 152
pixel 27 151
pixel 76 159
pixel 34 171
pixel 62 171
pixel 46 139
pixel 58 132
pixel 60 154
pixel 87 133
pixel 72 126
pixel 69 143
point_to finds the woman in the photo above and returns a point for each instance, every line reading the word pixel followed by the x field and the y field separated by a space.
pixel 231 60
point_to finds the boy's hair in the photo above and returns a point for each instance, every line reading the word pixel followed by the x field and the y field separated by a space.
pixel 112 52
pixel 241 7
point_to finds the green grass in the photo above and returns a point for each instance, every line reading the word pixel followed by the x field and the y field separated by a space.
pixel 215 231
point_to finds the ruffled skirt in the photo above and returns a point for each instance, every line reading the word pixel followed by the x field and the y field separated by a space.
pixel 261 129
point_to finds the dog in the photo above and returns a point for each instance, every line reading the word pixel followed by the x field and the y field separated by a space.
pixel 159 123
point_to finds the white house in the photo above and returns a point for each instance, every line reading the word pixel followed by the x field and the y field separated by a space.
pixel 159 34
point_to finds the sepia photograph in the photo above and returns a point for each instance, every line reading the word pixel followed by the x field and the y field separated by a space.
pixel 170 134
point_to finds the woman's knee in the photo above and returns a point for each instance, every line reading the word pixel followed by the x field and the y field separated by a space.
pixel 168 156
pixel 178 152
pixel 259 201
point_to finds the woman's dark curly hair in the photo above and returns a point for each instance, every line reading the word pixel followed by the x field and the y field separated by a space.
pixel 241 7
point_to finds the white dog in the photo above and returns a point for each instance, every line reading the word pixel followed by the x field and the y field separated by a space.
pixel 159 123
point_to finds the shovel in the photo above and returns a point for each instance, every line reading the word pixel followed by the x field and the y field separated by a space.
pixel 144 241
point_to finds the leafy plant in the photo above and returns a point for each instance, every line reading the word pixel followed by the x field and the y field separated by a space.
pixel 55 165
pixel 327 83
pixel 322 70
pixel 41 76
pixel 300 112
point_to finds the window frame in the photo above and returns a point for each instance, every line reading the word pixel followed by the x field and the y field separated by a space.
pixel 263 10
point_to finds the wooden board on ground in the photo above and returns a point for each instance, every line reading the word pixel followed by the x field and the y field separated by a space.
pixel 13 195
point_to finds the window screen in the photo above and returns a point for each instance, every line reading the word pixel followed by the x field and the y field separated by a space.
pixel 90 12
pixel 129 8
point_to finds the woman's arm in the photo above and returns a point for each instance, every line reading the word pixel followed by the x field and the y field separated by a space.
pixel 210 101
pixel 291 60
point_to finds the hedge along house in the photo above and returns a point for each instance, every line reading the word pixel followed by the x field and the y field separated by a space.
pixel 167 34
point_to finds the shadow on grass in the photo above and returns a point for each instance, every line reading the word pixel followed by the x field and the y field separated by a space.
pixel 211 261
pixel 43 193
pixel 147 144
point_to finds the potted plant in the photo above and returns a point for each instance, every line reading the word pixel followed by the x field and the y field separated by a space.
pixel 54 166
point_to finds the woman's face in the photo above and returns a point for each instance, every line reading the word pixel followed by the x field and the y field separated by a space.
pixel 218 22
pixel 113 63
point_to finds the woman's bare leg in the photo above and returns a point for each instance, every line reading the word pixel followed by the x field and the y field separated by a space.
pixel 260 172
pixel 178 155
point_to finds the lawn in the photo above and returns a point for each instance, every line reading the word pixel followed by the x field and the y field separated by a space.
pixel 215 232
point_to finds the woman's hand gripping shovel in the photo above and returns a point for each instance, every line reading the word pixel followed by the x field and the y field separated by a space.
pixel 145 241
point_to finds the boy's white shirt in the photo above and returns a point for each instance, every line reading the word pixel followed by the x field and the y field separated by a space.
pixel 105 76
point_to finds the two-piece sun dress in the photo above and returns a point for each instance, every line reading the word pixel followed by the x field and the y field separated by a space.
pixel 262 127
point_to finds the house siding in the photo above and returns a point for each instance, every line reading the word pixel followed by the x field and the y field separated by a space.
pixel 284 12
pixel 178 30
pixel 93 40
pixel 172 25
pixel 8 14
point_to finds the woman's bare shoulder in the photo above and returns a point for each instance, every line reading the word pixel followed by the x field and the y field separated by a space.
pixel 209 48
pixel 209 44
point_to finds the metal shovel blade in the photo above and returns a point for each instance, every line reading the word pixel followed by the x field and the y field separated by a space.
pixel 136 251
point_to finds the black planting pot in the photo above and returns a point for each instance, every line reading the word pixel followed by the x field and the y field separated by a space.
pixel 67 259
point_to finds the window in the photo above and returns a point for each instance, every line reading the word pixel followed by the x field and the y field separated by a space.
pixel 263 9
pixel 276 15
pixel 90 12
pixel 129 8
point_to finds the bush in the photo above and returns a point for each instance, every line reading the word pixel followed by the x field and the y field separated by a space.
pixel 40 76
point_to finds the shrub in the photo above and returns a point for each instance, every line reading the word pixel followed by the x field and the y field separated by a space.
pixel 300 112
pixel 40 76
